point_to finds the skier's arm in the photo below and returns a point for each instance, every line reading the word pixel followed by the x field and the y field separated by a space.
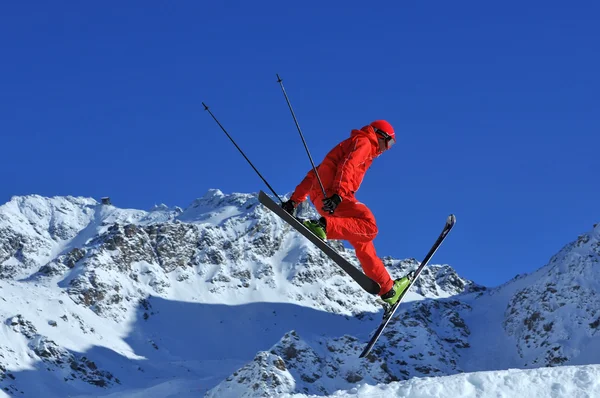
pixel 348 166
pixel 301 191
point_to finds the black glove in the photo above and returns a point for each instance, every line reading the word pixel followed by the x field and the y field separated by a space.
pixel 330 203
pixel 289 206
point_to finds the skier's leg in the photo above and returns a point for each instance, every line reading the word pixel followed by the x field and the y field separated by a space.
pixel 354 222
pixel 372 265
pixel 391 290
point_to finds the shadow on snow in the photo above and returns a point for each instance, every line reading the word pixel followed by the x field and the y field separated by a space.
pixel 197 342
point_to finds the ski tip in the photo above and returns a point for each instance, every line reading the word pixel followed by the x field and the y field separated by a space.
pixel 451 219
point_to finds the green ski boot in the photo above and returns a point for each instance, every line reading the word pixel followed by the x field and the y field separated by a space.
pixel 317 227
pixel 399 287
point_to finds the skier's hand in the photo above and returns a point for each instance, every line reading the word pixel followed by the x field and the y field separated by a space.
pixel 289 206
pixel 330 203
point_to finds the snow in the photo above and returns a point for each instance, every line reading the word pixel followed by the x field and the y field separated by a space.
pixel 210 209
pixel 41 305
pixel 567 381
pixel 223 294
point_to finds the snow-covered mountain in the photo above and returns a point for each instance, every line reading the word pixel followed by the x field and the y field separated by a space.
pixel 223 298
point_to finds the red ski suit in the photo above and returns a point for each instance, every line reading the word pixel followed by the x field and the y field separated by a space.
pixel 342 172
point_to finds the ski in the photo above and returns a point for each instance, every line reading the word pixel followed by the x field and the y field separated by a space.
pixel 389 312
pixel 364 281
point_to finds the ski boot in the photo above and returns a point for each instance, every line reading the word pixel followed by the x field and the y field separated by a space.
pixel 397 290
pixel 317 227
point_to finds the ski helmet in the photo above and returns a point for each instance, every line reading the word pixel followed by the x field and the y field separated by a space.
pixel 385 130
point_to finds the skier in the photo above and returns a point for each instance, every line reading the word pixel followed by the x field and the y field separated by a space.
pixel 343 217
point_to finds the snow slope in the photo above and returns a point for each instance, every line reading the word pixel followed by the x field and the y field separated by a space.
pixel 567 381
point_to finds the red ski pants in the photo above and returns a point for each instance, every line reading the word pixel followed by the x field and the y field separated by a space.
pixel 354 222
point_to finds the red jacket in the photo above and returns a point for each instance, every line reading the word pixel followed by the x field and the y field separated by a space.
pixel 343 169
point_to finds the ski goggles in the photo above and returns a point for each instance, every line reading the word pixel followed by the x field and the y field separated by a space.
pixel 389 140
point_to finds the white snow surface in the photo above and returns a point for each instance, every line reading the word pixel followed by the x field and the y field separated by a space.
pixel 565 381
pixel 224 299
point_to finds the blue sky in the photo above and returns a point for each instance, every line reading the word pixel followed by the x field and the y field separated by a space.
pixel 496 109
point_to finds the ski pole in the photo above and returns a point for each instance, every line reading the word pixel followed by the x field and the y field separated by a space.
pixel 238 148
pixel 301 135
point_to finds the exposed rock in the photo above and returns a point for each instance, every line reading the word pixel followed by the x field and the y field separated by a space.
pixel 72 366
pixel 265 376
pixel 22 326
